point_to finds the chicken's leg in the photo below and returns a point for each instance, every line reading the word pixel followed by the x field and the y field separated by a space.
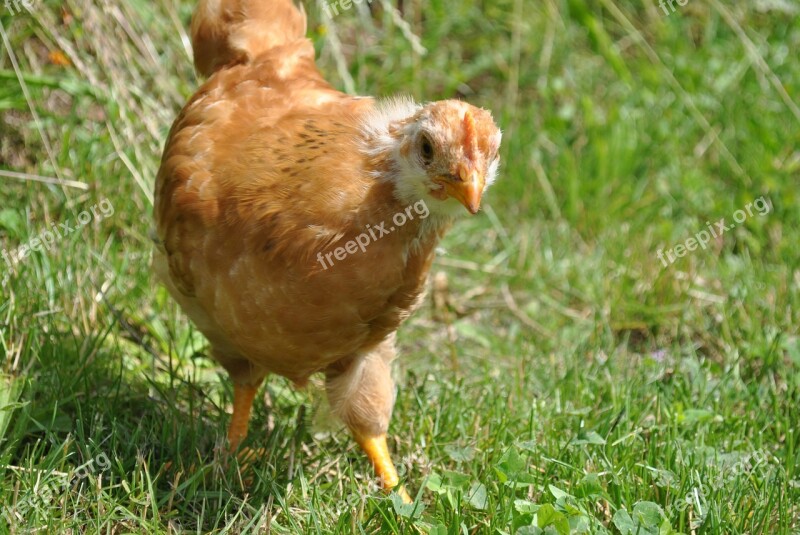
pixel 361 392
pixel 247 379
pixel 378 452
pixel 243 396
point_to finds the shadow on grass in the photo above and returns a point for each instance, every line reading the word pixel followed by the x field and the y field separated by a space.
pixel 164 438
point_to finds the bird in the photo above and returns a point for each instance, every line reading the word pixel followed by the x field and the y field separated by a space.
pixel 295 225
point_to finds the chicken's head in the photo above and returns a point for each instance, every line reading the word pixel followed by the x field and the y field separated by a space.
pixel 444 152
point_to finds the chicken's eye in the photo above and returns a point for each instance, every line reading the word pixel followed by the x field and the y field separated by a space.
pixel 426 150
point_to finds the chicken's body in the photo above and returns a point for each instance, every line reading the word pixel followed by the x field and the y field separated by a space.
pixel 266 172
pixel 244 240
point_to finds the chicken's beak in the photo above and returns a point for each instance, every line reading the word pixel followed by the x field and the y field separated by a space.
pixel 469 190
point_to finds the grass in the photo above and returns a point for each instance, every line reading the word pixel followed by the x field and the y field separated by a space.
pixel 562 379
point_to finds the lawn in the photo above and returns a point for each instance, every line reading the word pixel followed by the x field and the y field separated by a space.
pixel 610 346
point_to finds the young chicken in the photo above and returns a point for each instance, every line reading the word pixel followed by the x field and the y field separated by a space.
pixel 296 224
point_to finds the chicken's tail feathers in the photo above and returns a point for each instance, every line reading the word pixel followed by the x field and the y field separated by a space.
pixel 228 32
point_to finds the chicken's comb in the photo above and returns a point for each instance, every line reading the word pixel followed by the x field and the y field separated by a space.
pixel 470 136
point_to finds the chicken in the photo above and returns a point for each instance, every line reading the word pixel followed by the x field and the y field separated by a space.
pixel 296 225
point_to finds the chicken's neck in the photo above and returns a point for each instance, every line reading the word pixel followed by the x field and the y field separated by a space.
pixel 408 207
pixel 386 160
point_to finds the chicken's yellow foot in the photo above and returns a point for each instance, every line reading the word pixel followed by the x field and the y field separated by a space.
pixel 378 452
pixel 243 396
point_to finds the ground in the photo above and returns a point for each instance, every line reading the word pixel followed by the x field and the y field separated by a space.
pixel 598 355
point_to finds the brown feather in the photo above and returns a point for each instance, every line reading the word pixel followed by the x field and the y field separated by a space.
pixel 268 168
